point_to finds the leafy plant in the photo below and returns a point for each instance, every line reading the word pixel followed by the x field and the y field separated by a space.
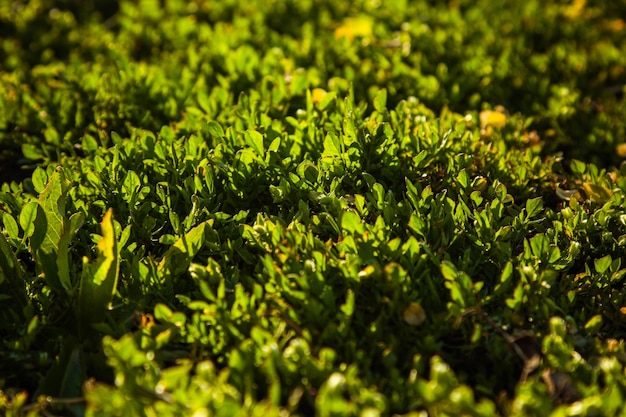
pixel 312 207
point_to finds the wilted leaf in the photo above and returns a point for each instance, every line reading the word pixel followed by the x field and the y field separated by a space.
pixel 414 314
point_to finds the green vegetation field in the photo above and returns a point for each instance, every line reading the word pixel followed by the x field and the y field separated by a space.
pixel 312 207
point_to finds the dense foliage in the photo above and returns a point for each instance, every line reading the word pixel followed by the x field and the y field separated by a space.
pixel 312 207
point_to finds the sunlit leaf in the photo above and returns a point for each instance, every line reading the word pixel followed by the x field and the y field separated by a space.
pixel 492 118
pixel 99 278
pixel 597 193
pixel 318 94
pixel 178 257
pixel 352 27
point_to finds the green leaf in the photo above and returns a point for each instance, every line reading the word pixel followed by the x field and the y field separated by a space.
pixel 380 101
pixel 32 152
pixel 534 206
pixel 594 324
pixel 351 222
pixel 348 307
pixel 10 225
pixel 178 257
pixel 215 129
pixel 162 312
pixel 578 167
pixel 255 140
pixel 99 279
pixel 328 99
pixel 39 178
pixel 28 216
pixel 332 145
pixel 602 264
pixel 204 101
pixel 463 179
pixel 449 271
pixel 539 246
pixel 48 244
pixel 505 283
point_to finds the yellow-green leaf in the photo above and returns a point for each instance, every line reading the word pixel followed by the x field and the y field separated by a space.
pixel 178 257
pixel 99 279
pixel 597 193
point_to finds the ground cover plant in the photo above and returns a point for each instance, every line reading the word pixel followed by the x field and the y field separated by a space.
pixel 312 208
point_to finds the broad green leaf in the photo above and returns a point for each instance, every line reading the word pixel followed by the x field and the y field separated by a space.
pixel 52 136
pixel 39 178
pixel 10 225
pixel 205 102
pixel 215 129
pixel 274 145
pixel 178 257
pixel 602 264
pixel 255 140
pixel 99 279
pixel 162 312
pixel 28 216
pixel 380 101
pixel 32 152
pixel 449 271
pixel 463 179
pixel 539 245
pixel 459 284
pixel 332 146
pixel 578 167
pixel 48 244
pixel 351 222
pixel 534 206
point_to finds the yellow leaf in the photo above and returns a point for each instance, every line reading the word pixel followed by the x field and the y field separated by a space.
pixel 353 27
pixel 597 193
pixel 574 10
pixel 99 278
pixel 414 314
pixel 491 118
pixel 621 150
pixel 318 94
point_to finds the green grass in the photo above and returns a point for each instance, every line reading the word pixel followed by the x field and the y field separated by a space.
pixel 312 208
